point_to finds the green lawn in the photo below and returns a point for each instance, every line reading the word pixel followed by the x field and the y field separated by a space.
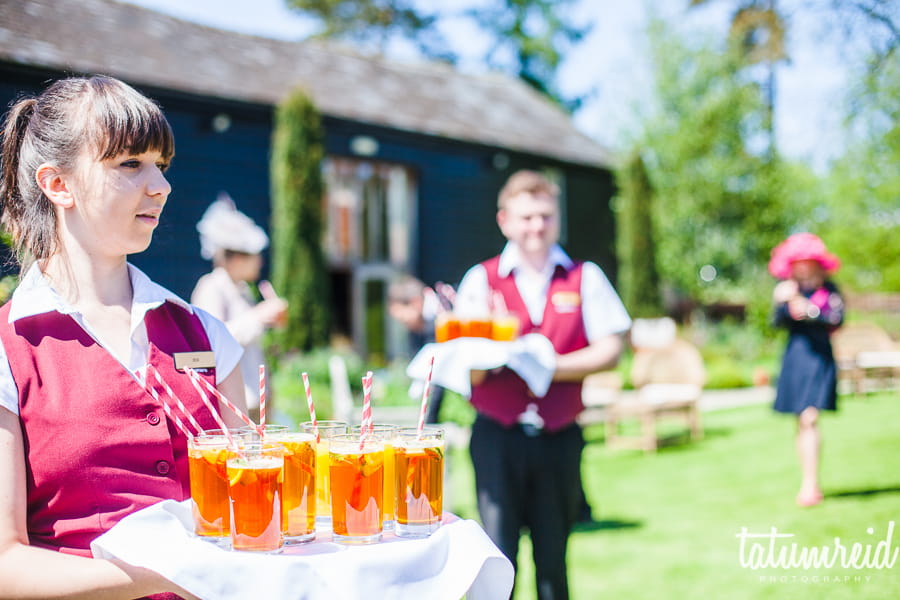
pixel 668 523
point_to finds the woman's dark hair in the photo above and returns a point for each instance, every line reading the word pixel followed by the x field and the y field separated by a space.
pixel 100 114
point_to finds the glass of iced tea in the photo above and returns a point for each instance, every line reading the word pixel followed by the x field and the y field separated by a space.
pixel 419 463
pixel 255 481
pixel 505 327
pixel 386 433
pixel 357 488
pixel 207 457
pixel 326 430
pixel 446 327
pixel 298 502
pixel 477 327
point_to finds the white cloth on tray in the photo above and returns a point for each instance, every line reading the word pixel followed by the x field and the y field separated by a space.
pixel 458 560
pixel 531 356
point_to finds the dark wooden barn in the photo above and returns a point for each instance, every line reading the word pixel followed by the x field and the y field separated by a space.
pixel 416 151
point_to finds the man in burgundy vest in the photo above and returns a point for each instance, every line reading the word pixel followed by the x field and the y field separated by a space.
pixel 526 450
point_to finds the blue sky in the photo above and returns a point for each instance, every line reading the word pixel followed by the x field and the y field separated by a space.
pixel 611 62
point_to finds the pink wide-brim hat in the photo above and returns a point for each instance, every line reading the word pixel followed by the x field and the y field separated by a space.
pixel 801 246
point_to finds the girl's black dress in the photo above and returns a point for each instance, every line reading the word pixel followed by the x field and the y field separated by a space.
pixel 808 371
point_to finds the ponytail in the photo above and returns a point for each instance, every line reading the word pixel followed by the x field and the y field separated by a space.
pixel 24 210
pixel 13 132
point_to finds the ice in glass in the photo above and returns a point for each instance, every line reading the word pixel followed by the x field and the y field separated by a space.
pixel 327 430
pixel 207 456
pixel 419 481
pixel 386 433
pixel 299 500
pixel 357 488
pixel 255 481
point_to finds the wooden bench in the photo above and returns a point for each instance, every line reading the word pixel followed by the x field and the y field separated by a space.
pixel 867 358
pixel 669 381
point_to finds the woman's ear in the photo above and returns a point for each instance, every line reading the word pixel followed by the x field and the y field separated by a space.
pixel 51 181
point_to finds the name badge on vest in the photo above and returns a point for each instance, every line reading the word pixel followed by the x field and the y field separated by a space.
pixel 199 361
pixel 565 302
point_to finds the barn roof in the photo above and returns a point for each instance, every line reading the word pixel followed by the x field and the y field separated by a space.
pixel 145 47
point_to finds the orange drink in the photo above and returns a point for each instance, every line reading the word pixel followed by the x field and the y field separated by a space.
pixel 298 504
pixel 357 488
pixel 446 327
pixel 419 481
pixel 255 480
pixel 475 327
pixel 327 430
pixel 387 434
pixel 505 328
pixel 207 455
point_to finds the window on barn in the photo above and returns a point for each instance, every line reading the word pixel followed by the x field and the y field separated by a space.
pixel 369 209
pixel 370 213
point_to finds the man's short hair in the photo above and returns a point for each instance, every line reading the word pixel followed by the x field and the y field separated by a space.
pixel 526 181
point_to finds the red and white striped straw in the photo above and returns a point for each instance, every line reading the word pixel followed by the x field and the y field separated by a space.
pixel 199 381
pixel 156 374
pixel 312 407
pixel 262 396
pixel 365 425
pixel 195 380
pixel 169 413
pixel 425 394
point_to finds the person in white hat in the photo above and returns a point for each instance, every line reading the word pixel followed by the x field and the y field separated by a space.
pixel 234 243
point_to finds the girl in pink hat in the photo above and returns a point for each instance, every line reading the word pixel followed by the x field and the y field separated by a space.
pixel 810 306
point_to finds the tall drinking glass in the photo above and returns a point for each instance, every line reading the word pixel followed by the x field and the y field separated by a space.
pixel 419 463
pixel 255 480
pixel 357 488
pixel 327 430
pixel 386 433
pixel 207 456
pixel 505 327
pixel 447 327
pixel 299 499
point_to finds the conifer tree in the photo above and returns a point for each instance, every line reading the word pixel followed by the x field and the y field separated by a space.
pixel 638 275
pixel 298 264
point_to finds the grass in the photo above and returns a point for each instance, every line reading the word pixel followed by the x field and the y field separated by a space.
pixel 667 523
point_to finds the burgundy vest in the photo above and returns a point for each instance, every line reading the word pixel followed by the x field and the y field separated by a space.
pixel 504 396
pixel 97 445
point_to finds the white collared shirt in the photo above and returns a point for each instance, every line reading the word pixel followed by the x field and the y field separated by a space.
pixel 34 295
pixel 231 302
pixel 602 310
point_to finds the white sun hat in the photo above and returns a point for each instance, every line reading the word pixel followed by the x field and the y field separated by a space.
pixel 224 227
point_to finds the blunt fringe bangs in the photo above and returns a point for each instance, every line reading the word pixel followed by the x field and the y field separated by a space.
pixel 122 120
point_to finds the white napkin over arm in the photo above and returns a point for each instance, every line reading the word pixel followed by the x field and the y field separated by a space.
pixel 532 357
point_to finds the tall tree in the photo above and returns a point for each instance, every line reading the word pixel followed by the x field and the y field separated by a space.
pixel 533 35
pixel 298 264
pixel 859 211
pixel 372 24
pixel 529 37
pixel 757 36
pixel 720 203
pixel 638 275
